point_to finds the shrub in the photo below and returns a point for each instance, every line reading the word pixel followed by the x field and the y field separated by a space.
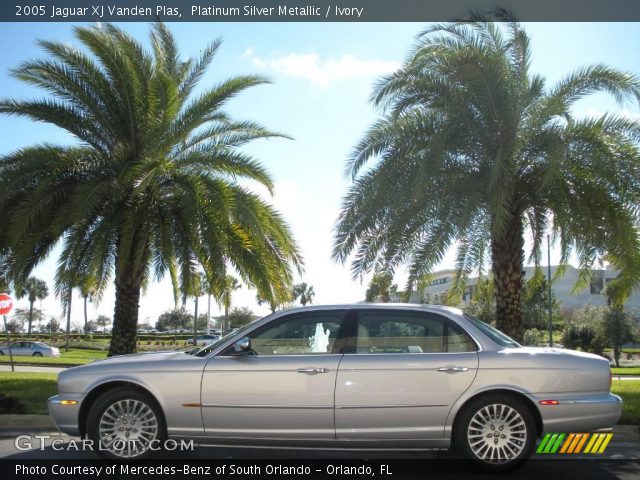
pixel 533 337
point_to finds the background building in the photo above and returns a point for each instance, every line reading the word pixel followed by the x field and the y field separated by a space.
pixel 562 287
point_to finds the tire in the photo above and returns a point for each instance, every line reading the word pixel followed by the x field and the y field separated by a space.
pixel 1 353
pixel 36 354
pixel 113 418
pixel 496 432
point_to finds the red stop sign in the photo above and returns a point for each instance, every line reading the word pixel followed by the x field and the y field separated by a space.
pixel 6 304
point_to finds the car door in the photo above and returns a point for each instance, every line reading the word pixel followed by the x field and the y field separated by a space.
pixel 407 370
pixel 285 389
pixel 29 348
pixel 19 349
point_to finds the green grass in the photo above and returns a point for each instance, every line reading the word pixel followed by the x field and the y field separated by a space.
pixel 72 357
pixel 626 371
pixel 629 390
pixel 31 390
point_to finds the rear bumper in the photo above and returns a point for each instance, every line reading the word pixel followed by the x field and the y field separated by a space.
pixel 580 413
pixel 65 416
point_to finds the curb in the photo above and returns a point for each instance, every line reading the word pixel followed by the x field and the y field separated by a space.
pixel 35 423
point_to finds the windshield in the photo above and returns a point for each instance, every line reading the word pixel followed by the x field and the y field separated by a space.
pixel 204 351
pixel 493 333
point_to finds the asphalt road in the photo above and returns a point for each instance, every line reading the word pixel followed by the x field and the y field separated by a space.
pixel 621 461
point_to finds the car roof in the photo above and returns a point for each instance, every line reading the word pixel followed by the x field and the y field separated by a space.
pixel 375 306
pixel 406 307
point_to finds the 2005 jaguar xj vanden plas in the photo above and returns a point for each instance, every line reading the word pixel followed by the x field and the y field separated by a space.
pixel 353 376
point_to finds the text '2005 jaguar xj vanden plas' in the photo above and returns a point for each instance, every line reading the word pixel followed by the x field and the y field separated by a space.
pixel 354 376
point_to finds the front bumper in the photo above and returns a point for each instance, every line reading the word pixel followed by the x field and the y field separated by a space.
pixel 65 413
pixel 581 413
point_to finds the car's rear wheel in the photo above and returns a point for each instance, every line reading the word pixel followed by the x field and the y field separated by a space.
pixel 498 433
pixel 126 423
pixel 36 354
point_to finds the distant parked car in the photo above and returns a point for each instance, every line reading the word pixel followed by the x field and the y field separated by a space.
pixel 30 349
pixel 204 339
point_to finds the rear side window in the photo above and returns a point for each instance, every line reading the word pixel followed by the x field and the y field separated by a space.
pixel 397 332
pixel 493 333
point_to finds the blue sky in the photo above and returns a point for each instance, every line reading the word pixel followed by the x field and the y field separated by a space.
pixel 322 75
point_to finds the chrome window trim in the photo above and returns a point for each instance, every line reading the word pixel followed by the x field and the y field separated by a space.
pixel 410 308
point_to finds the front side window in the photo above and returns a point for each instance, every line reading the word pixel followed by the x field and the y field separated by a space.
pixel 298 335
pixel 382 332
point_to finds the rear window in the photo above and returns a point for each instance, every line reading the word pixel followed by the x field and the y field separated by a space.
pixel 493 333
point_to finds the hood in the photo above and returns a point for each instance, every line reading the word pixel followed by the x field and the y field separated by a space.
pixel 144 358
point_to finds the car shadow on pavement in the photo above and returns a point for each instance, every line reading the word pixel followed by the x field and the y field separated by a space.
pixel 402 465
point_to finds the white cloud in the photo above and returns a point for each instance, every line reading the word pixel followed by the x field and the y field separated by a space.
pixel 595 113
pixel 311 67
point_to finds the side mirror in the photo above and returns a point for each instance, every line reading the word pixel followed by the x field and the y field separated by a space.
pixel 242 346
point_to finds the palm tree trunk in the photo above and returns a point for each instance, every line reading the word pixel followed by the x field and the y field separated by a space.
pixel 125 317
pixel 30 318
pixel 66 343
pixel 195 323
pixel 507 257
pixel 85 315
pixel 226 319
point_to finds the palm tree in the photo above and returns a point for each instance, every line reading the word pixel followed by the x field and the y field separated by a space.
pixel 91 286
pixel 153 184
pixel 224 297
pixel 196 288
pixel 474 150
pixel 303 292
pixel 34 289
pixel 271 300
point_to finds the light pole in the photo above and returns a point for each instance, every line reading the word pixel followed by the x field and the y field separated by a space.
pixel 549 290
pixel 209 312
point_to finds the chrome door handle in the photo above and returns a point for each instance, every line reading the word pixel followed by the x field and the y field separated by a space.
pixel 312 371
pixel 452 369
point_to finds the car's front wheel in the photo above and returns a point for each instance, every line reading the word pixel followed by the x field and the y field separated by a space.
pixel 36 354
pixel 126 423
pixel 498 433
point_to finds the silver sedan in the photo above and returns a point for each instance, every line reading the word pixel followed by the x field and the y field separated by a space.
pixel 30 349
pixel 354 376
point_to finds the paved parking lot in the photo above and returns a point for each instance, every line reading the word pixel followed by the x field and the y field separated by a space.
pixel 620 461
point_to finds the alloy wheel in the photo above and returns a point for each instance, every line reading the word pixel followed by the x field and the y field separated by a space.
pixel 497 433
pixel 127 428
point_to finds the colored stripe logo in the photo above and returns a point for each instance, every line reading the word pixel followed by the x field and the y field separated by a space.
pixel 573 443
